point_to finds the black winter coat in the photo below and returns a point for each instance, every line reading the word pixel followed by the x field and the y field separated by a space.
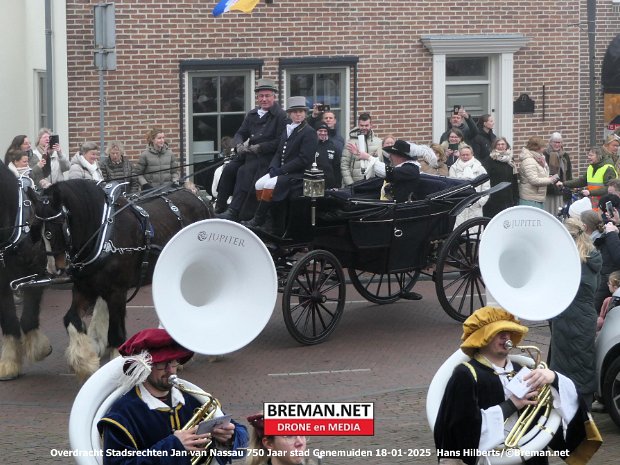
pixel 403 180
pixel 574 330
pixel 482 144
pixel 468 128
pixel 609 246
pixel 264 132
pixel 499 171
pixel 294 155
pixel 328 160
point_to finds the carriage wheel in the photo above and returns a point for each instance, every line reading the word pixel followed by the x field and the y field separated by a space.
pixel 313 297
pixel 381 288
pixel 458 282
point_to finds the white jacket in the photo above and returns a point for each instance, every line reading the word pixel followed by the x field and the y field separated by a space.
pixel 469 170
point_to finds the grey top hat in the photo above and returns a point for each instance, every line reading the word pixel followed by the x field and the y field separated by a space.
pixel 296 103
pixel 265 84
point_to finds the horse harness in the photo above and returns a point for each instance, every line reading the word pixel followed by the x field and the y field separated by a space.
pixel 21 227
pixel 104 244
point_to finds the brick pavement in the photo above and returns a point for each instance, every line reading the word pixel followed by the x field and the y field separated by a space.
pixel 382 354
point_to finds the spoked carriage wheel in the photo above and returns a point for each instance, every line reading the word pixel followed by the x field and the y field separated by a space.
pixel 314 296
pixel 383 288
pixel 458 282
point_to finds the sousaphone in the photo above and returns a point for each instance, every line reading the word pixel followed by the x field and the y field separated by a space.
pixel 524 254
pixel 200 287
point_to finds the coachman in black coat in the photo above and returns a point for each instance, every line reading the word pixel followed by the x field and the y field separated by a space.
pixel 238 177
pixel 294 155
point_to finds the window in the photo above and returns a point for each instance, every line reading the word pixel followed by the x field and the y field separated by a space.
pixel 215 96
pixel 326 87
pixel 323 80
pixel 41 99
pixel 467 84
pixel 219 102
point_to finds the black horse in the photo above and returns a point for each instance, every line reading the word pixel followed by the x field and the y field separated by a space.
pixel 113 245
pixel 19 257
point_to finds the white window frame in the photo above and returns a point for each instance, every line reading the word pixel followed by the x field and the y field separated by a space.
pixel 344 119
pixel 500 48
pixel 189 113
pixel 41 113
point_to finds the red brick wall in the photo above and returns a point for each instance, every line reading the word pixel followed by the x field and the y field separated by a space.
pixel 395 70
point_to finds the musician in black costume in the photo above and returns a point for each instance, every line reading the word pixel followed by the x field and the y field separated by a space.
pixel 476 404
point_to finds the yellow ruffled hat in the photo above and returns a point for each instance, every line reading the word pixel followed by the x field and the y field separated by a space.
pixel 482 326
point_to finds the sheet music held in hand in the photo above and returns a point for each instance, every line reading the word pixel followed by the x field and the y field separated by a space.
pixel 517 385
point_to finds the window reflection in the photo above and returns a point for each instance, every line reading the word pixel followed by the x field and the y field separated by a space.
pixel 218 109
pixel 467 68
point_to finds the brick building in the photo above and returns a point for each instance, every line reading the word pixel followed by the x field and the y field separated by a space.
pixel 407 63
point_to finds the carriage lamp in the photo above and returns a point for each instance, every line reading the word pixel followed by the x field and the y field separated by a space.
pixel 314 186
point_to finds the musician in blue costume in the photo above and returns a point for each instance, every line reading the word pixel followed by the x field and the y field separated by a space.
pixel 476 403
pixel 144 425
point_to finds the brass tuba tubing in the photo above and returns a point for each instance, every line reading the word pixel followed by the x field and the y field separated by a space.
pixel 529 414
pixel 205 412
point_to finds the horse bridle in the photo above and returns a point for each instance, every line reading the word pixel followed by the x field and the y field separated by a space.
pixel 59 218
pixel 20 227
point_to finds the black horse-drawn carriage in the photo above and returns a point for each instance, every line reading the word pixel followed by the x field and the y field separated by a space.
pixel 385 246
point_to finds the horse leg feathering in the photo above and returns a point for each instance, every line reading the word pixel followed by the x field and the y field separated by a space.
pixel 36 345
pixel 81 354
pixel 11 358
pixel 98 328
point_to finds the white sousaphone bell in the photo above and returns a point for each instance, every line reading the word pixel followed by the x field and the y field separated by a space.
pixel 525 253
pixel 201 285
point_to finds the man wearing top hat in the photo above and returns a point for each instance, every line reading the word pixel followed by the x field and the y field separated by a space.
pixel 144 425
pixel 256 142
pixel 294 155
pixel 403 174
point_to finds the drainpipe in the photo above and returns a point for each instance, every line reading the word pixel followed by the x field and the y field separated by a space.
pixel 49 65
pixel 592 73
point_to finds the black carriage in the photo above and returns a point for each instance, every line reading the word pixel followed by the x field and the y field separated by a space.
pixel 385 246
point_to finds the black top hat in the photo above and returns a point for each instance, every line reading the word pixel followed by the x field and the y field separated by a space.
pixel 401 148
pixel 265 84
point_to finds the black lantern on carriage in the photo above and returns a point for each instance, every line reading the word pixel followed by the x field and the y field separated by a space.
pixel 314 186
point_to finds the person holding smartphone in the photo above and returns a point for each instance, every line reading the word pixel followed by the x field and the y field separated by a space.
pixel 452 145
pixel 54 161
pixel 462 121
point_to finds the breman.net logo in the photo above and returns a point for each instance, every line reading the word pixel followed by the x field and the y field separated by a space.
pixel 319 419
